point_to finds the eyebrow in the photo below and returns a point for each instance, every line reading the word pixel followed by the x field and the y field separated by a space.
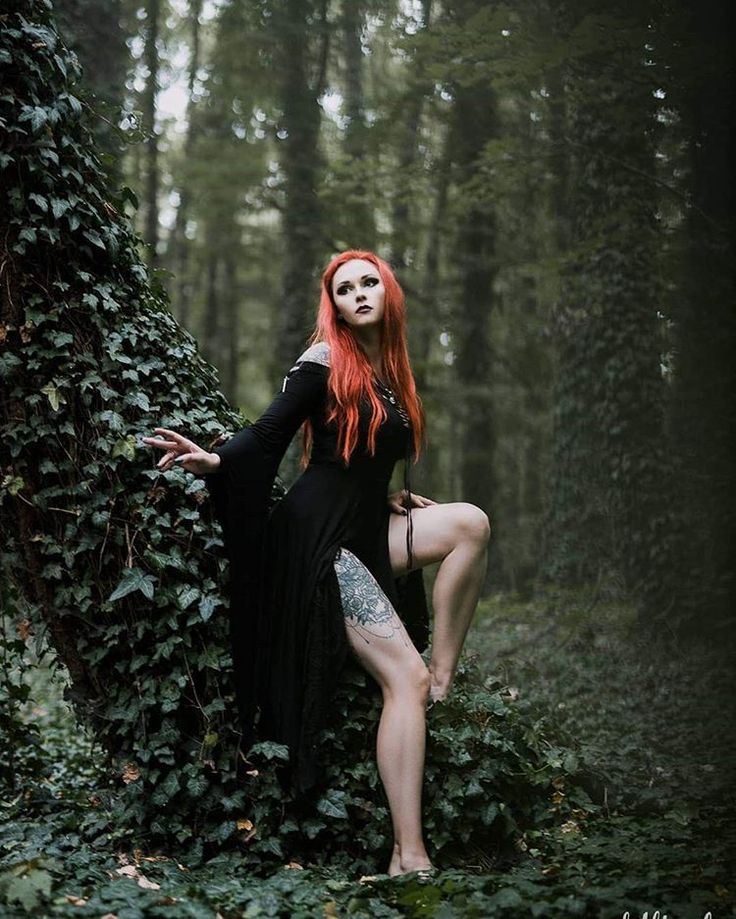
pixel 370 274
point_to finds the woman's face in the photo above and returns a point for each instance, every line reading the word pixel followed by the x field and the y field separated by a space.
pixel 358 293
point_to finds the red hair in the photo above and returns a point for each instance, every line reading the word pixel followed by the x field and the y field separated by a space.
pixel 351 375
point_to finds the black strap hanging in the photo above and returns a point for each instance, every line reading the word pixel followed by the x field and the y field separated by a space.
pixel 388 394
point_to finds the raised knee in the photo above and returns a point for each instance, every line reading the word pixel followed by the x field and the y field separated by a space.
pixel 475 524
pixel 415 680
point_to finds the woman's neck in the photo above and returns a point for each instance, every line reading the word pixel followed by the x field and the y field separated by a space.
pixel 370 341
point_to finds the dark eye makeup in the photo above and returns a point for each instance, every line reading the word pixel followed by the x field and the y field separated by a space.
pixel 343 288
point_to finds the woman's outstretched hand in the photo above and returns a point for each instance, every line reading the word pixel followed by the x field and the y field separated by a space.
pixel 397 500
pixel 183 452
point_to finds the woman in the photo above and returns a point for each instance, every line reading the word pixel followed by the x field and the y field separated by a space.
pixel 335 566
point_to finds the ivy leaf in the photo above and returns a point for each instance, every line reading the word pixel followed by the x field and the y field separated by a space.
pixel 38 118
pixel 29 888
pixel 94 237
pixel 333 804
pixel 55 397
pixel 207 606
pixel 40 201
pixel 133 579
pixel 140 399
pixel 59 207
pixel 186 596
pixel 125 447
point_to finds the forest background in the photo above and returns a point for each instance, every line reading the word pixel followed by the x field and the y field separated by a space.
pixel 552 184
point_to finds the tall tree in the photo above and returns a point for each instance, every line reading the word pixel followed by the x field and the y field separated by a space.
pixel 408 122
pixel 608 517
pixel 699 53
pixel 150 57
pixel 99 43
pixel 179 246
pixel 474 123
pixel 303 71
pixel 357 184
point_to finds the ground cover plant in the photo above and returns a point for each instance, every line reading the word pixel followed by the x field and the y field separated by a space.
pixel 638 743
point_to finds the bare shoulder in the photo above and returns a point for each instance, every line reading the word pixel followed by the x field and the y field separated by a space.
pixel 318 353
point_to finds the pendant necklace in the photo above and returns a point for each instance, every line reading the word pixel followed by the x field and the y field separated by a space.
pixel 388 394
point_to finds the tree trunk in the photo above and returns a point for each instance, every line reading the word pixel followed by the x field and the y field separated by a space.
pixel 302 219
pixel 149 120
pixel 359 181
pixel 703 405
pixel 474 124
pixel 403 234
pixel 99 42
pixel 608 518
pixel 180 245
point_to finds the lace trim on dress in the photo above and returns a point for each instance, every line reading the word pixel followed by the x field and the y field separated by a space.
pixel 318 353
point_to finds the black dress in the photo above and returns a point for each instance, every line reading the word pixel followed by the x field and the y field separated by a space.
pixel 288 634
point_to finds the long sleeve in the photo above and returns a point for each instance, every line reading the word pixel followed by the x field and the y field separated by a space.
pixel 249 461
pixel 241 493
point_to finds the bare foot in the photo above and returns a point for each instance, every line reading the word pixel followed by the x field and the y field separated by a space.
pixel 410 861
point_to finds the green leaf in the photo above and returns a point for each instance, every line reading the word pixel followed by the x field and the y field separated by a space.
pixel 125 447
pixel 207 605
pixel 333 804
pixel 186 596
pixel 133 579
pixel 29 888
pixel 55 397
pixel 94 237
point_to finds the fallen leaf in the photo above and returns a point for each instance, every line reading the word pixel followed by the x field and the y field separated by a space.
pixel 146 884
pixel 130 871
pixel 131 773
pixel 75 900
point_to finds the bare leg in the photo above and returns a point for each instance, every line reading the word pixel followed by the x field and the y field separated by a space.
pixel 456 535
pixel 454 600
pixel 380 642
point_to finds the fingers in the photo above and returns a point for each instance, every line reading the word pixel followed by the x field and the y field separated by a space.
pixel 163 444
pixel 165 459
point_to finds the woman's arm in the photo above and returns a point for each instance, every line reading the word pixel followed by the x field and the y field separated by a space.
pixel 263 443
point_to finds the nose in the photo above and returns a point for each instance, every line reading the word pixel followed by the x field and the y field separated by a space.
pixel 359 298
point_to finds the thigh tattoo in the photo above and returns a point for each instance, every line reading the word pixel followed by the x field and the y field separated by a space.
pixel 366 608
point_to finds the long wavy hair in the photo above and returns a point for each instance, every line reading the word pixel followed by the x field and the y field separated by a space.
pixel 351 375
